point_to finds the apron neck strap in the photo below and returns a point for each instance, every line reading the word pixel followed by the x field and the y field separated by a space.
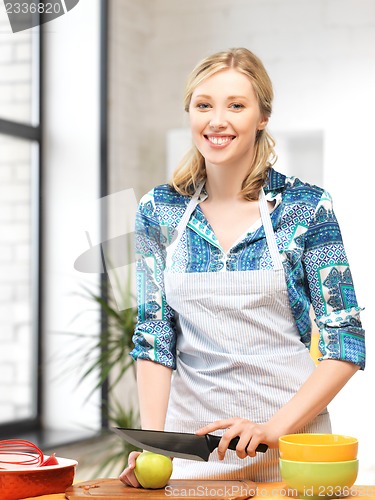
pixel 269 232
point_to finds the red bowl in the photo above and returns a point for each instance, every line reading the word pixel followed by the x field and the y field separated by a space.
pixel 17 482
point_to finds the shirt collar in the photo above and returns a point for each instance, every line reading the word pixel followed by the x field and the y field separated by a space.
pixel 276 181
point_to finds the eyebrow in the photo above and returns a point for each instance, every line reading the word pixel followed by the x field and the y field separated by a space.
pixel 234 97
pixel 229 98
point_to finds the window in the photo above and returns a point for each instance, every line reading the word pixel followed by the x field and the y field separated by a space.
pixel 20 138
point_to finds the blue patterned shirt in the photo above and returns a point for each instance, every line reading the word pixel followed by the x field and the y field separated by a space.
pixel 309 241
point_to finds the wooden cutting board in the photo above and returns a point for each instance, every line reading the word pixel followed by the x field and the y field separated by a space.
pixel 113 489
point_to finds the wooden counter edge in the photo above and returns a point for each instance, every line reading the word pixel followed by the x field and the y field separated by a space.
pixel 264 491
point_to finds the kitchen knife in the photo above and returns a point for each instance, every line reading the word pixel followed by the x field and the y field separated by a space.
pixel 177 444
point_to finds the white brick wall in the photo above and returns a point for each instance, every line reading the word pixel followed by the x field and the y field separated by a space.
pixel 15 71
pixel 15 232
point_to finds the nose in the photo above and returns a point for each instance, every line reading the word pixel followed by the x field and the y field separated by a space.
pixel 218 121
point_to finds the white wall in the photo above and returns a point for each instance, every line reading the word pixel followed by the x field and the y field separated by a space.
pixel 320 55
pixel 70 201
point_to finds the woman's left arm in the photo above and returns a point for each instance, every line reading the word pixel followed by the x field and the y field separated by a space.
pixel 315 394
pixel 333 298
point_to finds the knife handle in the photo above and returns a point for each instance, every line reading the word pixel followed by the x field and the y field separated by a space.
pixel 213 442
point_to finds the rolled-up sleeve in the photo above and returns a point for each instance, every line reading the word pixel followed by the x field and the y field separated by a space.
pixel 155 333
pixel 331 288
pixel 342 336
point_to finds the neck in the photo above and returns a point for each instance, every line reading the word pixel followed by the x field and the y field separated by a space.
pixel 224 184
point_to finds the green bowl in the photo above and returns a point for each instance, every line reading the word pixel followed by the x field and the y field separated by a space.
pixel 314 480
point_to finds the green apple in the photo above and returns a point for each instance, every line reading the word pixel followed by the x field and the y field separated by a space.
pixel 152 470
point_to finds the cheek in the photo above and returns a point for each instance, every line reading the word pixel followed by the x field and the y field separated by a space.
pixel 197 138
pixel 197 129
pixel 247 131
pixel 197 122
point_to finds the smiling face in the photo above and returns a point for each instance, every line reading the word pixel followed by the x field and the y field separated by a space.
pixel 224 119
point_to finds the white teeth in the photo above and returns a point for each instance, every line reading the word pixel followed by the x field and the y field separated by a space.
pixel 219 140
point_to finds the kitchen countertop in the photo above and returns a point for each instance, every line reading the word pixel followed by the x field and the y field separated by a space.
pixel 265 491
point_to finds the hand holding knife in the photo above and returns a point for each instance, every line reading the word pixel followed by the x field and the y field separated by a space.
pixel 177 444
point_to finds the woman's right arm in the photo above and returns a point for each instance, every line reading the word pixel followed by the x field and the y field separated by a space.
pixel 154 382
pixel 152 378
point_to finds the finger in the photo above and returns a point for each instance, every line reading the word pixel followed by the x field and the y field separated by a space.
pixel 128 478
pixel 124 476
pixel 241 448
pixel 214 426
pixel 224 443
pixel 251 447
pixel 133 481
pixel 131 459
pixel 221 450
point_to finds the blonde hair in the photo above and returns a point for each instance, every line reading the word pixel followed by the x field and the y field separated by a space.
pixel 191 169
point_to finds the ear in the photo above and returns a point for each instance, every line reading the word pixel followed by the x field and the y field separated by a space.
pixel 263 123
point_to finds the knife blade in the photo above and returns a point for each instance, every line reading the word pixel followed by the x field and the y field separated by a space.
pixel 177 444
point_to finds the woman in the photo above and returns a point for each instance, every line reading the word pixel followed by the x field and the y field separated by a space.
pixel 231 256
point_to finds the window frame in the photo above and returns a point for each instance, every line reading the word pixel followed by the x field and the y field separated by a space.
pixel 33 133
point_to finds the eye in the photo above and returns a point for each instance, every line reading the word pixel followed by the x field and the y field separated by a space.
pixel 203 106
pixel 236 106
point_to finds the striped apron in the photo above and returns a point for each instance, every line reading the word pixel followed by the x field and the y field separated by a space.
pixel 239 354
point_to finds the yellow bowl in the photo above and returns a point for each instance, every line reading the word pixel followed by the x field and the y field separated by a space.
pixel 318 447
pixel 316 480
